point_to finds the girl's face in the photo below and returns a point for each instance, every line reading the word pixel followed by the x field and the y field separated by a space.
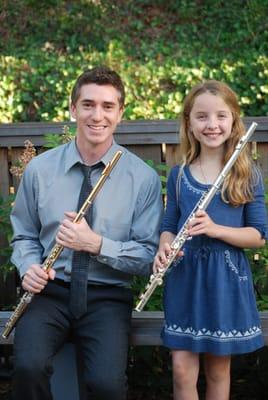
pixel 211 120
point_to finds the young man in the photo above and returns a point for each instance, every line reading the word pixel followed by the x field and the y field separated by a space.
pixel 119 240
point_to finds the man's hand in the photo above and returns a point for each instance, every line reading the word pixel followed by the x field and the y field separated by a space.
pixel 35 278
pixel 78 236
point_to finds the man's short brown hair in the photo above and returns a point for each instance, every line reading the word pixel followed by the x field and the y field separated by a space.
pixel 100 75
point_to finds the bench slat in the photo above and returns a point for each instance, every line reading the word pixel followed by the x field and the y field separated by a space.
pixel 146 328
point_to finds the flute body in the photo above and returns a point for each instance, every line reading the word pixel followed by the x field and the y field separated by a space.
pixel 156 279
pixel 57 249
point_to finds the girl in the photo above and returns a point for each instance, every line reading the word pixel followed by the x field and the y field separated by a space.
pixel 209 298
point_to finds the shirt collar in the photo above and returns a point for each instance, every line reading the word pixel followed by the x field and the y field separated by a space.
pixel 73 156
pixel 110 153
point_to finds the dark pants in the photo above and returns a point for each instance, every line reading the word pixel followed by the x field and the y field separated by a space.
pixel 101 334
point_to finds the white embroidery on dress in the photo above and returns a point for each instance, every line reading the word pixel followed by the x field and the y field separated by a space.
pixel 233 267
pixel 217 335
pixel 189 186
pixel 192 188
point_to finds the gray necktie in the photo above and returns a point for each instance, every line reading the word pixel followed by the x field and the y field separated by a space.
pixel 80 262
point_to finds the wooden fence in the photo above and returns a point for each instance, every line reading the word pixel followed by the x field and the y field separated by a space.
pixel 157 140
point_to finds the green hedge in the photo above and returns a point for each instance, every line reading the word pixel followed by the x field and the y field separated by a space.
pixel 160 48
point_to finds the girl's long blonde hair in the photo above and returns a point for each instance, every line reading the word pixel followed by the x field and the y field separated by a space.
pixel 237 188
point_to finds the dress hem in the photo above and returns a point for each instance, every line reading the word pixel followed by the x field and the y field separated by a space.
pixel 207 346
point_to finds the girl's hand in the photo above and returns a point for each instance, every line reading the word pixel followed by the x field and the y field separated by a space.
pixel 161 258
pixel 202 224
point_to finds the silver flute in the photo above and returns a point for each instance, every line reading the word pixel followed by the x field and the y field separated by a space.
pixel 57 248
pixel 156 279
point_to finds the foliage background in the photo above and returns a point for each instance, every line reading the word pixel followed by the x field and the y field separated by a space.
pixel 160 48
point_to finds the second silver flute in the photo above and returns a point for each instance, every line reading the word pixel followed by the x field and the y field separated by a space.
pixel 157 278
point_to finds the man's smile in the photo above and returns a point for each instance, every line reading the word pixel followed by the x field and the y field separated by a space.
pixel 97 127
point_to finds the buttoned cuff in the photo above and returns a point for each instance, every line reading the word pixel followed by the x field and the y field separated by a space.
pixel 109 250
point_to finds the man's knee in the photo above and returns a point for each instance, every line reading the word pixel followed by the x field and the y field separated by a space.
pixel 32 368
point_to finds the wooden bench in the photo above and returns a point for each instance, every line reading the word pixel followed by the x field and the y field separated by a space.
pixel 145 331
pixel 66 383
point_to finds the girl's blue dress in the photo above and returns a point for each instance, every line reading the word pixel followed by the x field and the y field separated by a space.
pixel 209 299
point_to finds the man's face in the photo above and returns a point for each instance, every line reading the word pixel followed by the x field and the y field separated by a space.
pixel 97 113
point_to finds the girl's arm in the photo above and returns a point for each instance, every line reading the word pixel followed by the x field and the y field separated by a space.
pixel 241 237
pixel 252 234
pixel 169 224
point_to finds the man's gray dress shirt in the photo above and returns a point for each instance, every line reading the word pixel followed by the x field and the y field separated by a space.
pixel 126 213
